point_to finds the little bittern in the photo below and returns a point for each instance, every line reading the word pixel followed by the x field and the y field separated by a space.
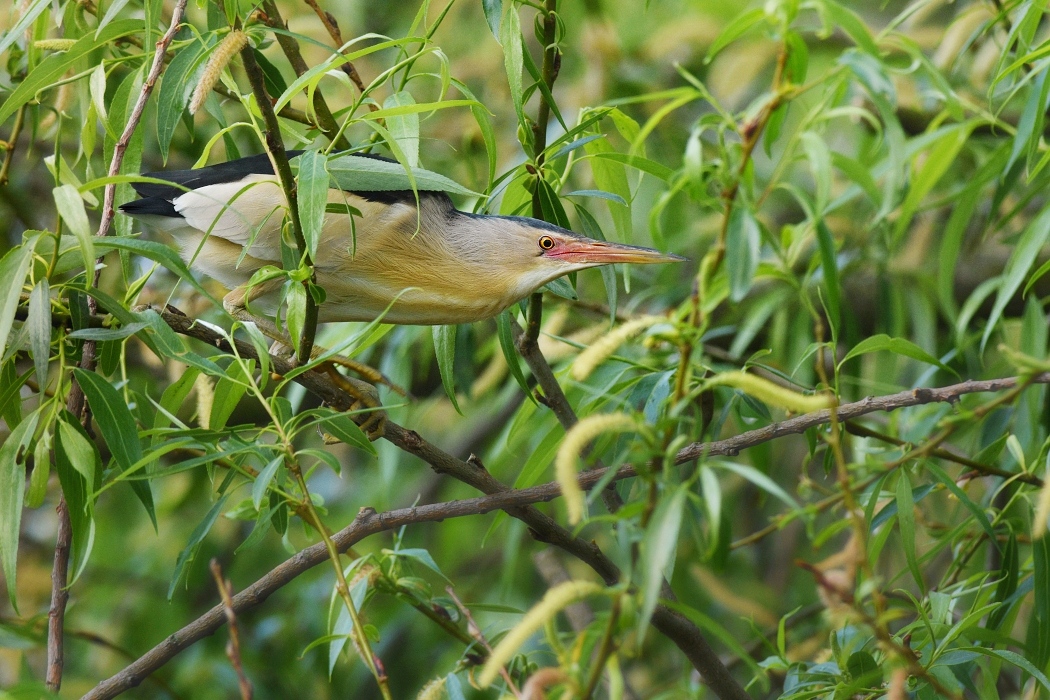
pixel 427 264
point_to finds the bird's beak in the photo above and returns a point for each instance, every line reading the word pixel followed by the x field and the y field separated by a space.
pixel 586 251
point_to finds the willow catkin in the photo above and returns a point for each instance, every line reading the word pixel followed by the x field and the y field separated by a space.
pixel 229 47
pixel 605 346
pixel 434 690
pixel 769 393
pixel 568 456
pixel 555 600
pixel 55 44
pixel 205 400
pixel 1042 512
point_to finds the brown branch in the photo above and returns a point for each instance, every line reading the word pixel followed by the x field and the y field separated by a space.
pixel 326 121
pixel 56 615
pixel 233 646
pixel 800 424
pixel 332 27
pixel 136 115
pixel 9 145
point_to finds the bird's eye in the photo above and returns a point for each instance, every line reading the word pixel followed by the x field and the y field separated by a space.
pixel 546 242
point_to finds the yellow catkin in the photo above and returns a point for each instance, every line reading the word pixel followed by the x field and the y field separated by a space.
pixel 229 47
pixel 55 44
pixel 565 464
pixel 205 398
pixel 434 690
pixel 556 599
pixel 770 393
pixel 1042 512
pixel 600 351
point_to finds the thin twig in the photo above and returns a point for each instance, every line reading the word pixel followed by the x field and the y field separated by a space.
pixel 233 646
pixel 136 115
pixel 56 615
pixel 332 27
pixel 12 141
pixel 326 121
pixel 479 637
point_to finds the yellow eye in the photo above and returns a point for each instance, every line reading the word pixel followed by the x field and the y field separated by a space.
pixel 546 242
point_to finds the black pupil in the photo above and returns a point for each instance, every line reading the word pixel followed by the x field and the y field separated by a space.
pixel 546 243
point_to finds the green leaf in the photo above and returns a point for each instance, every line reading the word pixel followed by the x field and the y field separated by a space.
pixel 661 543
pixel 829 265
pixel 52 68
pixel 262 481
pixel 118 429
pixel 898 346
pixel 493 14
pixel 655 169
pixel 343 427
pixel 157 252
pixel 70 207
pixel 935 162
pixel 313 197
pixel 357 174
pixel 14 267
pixel 610 176
pixel 742 24
pixel 850 23
pixel 190 551
pixel 445 351
pixel 29 15
pixel 510 38
pixel 39 324
pixel 1021 260
pixel 1007 586
pixel 510 353
pixel 77 465
pixel 560 287
pixel 111 12
pixel 404 127
pixel 228 392
pixel 758 479
pixel 906 521
pixel 13 453
pixel 1015 659
pixel 175 90
pixel 976 510
pixel 743 247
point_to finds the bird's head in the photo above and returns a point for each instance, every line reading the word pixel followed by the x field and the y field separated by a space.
pixel 539 252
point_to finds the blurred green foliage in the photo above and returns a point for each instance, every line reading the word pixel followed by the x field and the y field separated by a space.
pixel 860 189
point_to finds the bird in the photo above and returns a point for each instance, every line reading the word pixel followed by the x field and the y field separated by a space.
pixel 402 256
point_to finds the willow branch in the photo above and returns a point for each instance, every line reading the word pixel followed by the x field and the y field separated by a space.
pixel 332 27
pixel 871 404
pixel 136 115
pixel 56 615
pixel 326 121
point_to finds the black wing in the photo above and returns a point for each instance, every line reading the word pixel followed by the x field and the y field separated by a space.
pixel 157 199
